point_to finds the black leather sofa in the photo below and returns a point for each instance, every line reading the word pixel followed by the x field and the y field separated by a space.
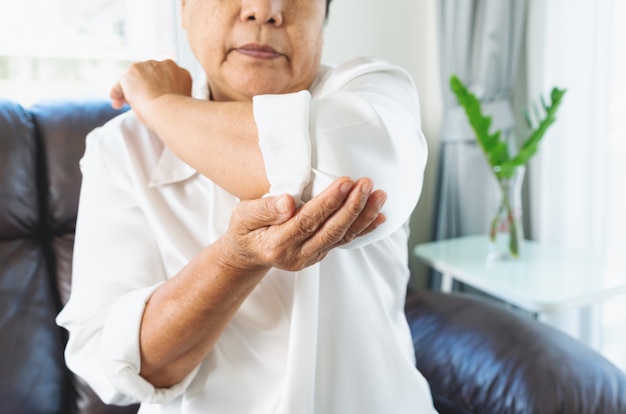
pixel 478 356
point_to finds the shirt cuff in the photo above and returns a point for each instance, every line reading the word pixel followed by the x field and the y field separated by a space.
pixel 283 127
pixel 121 359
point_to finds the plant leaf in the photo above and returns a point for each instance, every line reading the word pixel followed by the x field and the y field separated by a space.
pixel 530 146
pixel 496 151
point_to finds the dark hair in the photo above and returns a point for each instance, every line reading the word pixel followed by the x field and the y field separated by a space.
pixel 327 6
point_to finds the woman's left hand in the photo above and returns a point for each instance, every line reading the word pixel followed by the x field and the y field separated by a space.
pixel 261 236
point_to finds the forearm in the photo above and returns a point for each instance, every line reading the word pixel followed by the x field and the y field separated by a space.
pixel 185 317
pixel 219 139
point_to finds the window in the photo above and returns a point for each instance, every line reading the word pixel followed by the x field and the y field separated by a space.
pixel 614 311
pixel 62 48
pixel 577 192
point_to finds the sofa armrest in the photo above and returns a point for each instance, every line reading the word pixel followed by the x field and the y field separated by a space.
pixel 481 357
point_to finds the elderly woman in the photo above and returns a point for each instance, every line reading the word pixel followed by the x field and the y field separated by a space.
pixel 228 259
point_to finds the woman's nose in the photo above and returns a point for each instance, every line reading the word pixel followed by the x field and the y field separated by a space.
pixel 262 11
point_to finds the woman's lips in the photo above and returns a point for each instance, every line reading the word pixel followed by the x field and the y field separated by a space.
pixel 258 51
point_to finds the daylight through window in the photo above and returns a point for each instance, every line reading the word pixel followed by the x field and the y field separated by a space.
pixel 63 48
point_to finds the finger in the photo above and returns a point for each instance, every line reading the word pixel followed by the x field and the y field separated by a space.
pixel 334 229
pixel 313 214
pixel 369 218
pixel 117 96
pixel 253 214
pixel 380 219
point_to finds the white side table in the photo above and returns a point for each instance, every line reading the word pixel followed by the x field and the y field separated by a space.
pixel 544 280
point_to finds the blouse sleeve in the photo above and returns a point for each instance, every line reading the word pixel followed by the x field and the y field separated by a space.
pixel 106 304
pixel 366 124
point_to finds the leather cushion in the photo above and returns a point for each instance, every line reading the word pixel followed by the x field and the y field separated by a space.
pixel 62 127
pixel 33 377
pixel 19 200
pixel 482 357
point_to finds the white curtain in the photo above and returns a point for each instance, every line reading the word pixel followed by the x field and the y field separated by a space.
pixel 577 190
pixel 480 41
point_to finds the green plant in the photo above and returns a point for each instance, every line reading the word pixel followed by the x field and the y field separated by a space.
pixel 496 150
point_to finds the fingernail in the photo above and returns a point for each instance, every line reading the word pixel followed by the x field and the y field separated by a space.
pixel 367 188
pixel 282 204
pixel 345 187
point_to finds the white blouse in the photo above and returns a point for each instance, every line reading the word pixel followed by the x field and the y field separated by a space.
pixel 332 338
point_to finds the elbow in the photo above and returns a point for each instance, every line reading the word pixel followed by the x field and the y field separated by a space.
pixel 160 378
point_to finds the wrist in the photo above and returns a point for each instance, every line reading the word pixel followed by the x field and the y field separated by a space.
pixel 236 261
pixel 157 111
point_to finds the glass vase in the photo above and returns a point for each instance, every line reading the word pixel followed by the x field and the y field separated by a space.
pixel 506 232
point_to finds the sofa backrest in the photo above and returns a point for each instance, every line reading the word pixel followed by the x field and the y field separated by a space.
pixel 40 148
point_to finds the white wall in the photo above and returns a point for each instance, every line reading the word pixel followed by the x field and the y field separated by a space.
pixel 403 32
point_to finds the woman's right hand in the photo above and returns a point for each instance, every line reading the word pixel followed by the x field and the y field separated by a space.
pixel 144 82
pixel 269 232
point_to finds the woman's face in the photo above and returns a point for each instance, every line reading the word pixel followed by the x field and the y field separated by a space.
pixel 253 47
